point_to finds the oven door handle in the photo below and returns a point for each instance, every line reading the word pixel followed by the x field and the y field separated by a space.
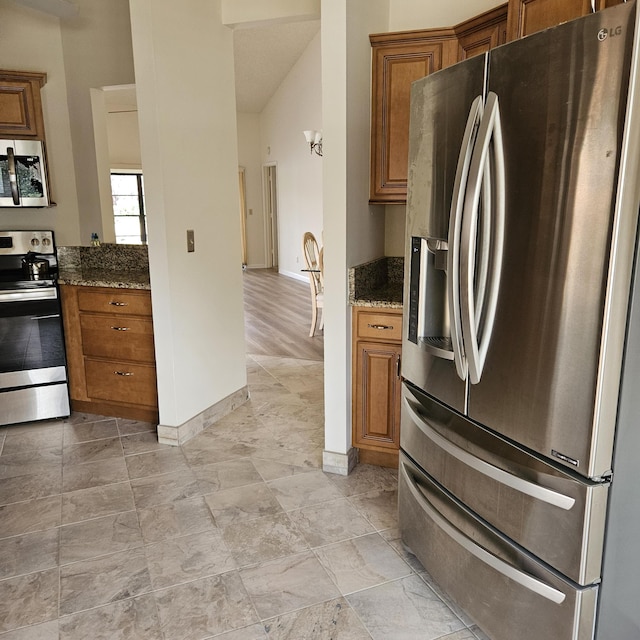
pixel 13 175
pixel 27 295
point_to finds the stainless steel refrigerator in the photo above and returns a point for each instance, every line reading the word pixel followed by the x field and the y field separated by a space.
pixel 520 436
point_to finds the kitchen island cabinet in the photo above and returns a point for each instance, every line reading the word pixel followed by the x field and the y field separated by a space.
pixel 110 351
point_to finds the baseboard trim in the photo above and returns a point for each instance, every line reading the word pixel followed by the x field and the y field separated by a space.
pixel 339 463
pixel 182 433
pixel 295 276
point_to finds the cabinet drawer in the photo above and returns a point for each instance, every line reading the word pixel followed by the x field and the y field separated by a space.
pixel 121 338
pixel 379 325
pixel 115 301
pixel 119 382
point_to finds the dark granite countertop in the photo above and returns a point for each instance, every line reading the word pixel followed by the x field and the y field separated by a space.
pixel 109 265
pixel 105 278
pixel 378 283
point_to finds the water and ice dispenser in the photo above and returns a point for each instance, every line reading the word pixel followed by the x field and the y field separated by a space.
pixel 428 324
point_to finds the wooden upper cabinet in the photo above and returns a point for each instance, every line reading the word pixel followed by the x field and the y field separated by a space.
pixel 20 104
pixel 398 60
pixel 528 16
pixel 482 33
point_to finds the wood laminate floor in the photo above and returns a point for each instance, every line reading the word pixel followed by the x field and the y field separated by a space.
pixel 278 316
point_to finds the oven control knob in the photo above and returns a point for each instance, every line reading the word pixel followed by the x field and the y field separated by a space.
pixel 46 242
pixel 35 242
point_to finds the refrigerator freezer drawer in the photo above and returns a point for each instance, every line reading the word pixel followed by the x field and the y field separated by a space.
pixel 507 592
pixel 556 517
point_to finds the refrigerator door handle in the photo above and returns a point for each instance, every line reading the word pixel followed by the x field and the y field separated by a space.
pixel 455 229
pixel 512 573
pixel 503 477
pixel 486 174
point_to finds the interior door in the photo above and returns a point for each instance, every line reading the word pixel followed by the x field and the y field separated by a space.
pixel 271 211
pixel 560 104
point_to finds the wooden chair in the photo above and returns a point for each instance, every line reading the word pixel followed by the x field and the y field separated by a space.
pixel 313 257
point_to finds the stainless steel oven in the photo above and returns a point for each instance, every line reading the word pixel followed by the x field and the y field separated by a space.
pixel 33 372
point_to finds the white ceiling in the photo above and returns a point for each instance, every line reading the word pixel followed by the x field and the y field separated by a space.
pixel 263 58
pixel 264 55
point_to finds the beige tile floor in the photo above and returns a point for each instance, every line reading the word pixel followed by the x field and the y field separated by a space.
pixel 237 535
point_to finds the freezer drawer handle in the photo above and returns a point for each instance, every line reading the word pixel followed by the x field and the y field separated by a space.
pixel 524 579
pixel 523 486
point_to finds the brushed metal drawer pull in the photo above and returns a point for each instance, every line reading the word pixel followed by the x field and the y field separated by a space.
pixel 120 328
pixel 123 373
pixel 119 304
pixel 382 327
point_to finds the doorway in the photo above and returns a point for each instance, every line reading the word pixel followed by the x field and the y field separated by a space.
pixel 270 186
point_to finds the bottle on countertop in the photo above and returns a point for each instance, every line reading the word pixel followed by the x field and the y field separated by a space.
pixel 95 240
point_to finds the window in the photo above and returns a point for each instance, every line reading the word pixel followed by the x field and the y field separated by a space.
pixel 127 193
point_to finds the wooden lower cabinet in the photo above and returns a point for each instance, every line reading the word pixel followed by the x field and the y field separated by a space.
pixel 376 394
pixel 110 351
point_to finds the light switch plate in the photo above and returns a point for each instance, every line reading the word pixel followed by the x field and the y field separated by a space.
pixel 191 242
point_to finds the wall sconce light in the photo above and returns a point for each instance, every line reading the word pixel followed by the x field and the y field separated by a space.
pixel 314 138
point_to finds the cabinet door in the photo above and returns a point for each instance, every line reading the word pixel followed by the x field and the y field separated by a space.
pixel 528 16
pixel 395 66
pixel 482 33
pixel 20 106
pixel 377 396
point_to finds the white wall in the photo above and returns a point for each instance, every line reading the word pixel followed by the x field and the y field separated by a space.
pixel 124 140
pixel 97 53
pixel 197 297
pixel 296 106
pixel 249 157
pixel 254 12
pixel 350 231
pixel 427 14
pixel 30 41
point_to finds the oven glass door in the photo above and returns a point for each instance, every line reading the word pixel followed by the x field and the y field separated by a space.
pixel 31 338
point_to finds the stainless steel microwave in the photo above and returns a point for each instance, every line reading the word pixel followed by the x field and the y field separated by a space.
pixel 23 174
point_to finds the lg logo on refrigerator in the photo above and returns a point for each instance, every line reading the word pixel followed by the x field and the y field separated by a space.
pixel 603 34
